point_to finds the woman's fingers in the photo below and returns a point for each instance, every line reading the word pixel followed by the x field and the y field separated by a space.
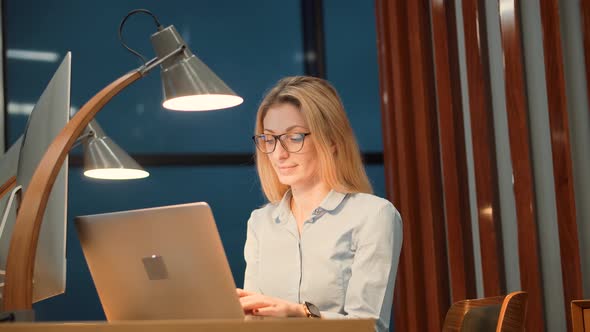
pixel 261 305
pixel 268 311
pixel 253 302
pixel 242 292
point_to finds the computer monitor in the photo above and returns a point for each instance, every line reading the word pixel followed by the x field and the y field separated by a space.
pixel 9 161
pixel 8 167
pixel 48 118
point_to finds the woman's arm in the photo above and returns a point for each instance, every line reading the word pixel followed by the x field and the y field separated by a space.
pixel 370 287
pixel 251 277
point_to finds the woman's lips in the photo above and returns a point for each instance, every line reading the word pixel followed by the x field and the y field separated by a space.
pixel 286 169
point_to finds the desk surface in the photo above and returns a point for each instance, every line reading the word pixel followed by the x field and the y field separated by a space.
pixel 265 325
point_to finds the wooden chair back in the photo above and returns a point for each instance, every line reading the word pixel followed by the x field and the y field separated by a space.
pixel 513 313
pixel 580 315
pixel 499 313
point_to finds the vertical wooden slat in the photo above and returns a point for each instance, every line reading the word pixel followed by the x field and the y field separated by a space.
pixel 411 136
pixel 406 159
pixel 382 11
pixel 585 10
pixel 386 98
pixel 484 151
pixel 398 131
pixel 456 191
pixel 520 151
pixel 561 150
pixel 428 165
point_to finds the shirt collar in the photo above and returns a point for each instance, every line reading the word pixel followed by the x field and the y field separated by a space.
pixel 281 213
pixel 330 203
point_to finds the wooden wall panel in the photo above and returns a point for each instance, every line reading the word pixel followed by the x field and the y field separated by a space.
pixel 585 11
pixel 405 161
pixel 399 157
pixel 431 210
pixel 412 155
pixel 484 151
pixel 392 173
pixel 420 84
pixel 520 151
pixel 454 161
pixel 561 150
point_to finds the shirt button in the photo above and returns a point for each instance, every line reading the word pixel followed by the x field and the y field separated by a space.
pixel 317 211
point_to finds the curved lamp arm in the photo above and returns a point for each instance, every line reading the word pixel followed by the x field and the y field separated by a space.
pixel 7 186
pixel 18 288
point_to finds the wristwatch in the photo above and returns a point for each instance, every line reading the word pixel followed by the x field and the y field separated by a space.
pixel 311 310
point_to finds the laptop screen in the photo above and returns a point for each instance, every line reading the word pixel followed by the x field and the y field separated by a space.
pixel 159 263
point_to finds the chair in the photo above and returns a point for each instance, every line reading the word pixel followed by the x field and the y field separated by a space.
pixel 499 313
pixel 580 315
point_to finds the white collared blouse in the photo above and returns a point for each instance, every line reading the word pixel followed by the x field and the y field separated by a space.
pixel 344 261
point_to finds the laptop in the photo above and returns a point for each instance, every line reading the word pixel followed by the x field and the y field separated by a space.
pixel 159 263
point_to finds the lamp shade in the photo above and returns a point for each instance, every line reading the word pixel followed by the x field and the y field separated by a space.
pixel 188 84
pixel 104 159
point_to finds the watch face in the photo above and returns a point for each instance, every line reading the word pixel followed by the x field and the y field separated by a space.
pixel 313 310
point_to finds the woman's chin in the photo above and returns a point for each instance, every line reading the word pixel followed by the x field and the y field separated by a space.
pixel 287 180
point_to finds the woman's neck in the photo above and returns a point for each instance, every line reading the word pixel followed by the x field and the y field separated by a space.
pixel 305 199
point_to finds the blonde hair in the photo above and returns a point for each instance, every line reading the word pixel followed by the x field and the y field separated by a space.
pixel 339 158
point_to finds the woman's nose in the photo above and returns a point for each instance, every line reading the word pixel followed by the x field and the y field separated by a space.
pixel 280 152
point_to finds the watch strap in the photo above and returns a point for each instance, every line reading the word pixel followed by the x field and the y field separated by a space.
pixel 311 311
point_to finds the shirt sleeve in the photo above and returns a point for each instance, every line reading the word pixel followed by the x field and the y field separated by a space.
pixel 370 288
pixel 251 277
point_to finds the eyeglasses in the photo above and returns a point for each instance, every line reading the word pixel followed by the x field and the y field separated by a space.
pixel 291 142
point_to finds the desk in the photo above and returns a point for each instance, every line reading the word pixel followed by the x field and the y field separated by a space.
pixel 266 325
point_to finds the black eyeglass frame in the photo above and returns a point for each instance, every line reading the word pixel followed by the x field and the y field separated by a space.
pixel 278 139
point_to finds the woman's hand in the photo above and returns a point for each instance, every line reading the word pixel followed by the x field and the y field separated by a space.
pixel 261 305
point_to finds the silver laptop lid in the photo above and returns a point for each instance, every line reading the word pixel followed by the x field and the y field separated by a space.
pixel 159 263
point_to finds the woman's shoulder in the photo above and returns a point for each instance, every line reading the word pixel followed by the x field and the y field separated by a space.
pixel 374 208
pixel 266 209
pixel 263 214
pixel 370 201
pixel 377 213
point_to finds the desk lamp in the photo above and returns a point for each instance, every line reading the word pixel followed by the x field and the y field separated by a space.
pixel 188 84
pixel 104 159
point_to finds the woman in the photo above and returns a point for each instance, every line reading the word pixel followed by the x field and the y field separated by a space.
pixel 324 246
